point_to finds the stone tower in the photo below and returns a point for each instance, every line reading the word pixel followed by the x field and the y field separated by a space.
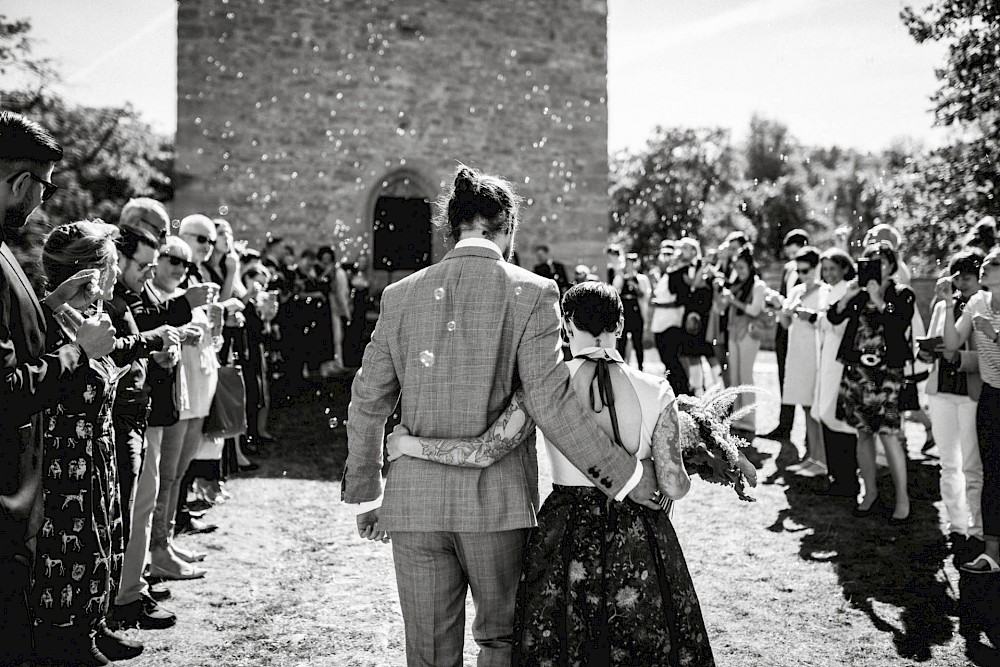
pixel 340 122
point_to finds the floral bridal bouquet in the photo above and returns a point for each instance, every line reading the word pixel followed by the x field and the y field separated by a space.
pixel 709 449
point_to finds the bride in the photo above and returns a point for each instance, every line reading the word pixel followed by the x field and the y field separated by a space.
pixel 603 583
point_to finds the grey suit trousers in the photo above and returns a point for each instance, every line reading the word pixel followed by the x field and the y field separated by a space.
pixel 434 571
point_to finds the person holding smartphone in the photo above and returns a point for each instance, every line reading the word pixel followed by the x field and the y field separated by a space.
pixel 874 351
pixel 953 388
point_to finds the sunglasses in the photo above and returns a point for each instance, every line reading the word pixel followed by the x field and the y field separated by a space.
pixel 203 239
pixel 48 189
pixel 177 261
pixel 802 271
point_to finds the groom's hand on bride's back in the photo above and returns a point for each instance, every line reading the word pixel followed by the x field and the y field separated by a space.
pixel 645 491
pixel 368 527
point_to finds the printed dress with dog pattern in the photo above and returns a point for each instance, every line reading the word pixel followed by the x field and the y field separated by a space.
pixel 80 549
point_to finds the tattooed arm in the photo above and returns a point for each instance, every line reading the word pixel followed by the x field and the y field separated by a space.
pixel 671 476
pixel 506 433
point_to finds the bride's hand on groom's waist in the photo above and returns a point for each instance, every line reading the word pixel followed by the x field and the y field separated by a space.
pixel 394 444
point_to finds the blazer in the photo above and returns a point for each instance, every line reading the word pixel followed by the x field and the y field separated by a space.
pixel 968 358
pixel 895 320
pixel 452 344
pixel 33 380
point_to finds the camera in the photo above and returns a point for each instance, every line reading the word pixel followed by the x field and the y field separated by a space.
pixel 869 269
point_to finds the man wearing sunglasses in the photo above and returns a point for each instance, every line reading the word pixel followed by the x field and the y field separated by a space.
pixel 155 325
pixel 31 379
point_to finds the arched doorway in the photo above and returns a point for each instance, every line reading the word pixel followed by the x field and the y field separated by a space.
pixel 402 224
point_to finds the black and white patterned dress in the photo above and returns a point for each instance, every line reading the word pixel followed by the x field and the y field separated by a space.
pixel 80 549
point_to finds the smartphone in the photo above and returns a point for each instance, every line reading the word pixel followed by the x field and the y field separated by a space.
pixel 869 269
pixel 930 343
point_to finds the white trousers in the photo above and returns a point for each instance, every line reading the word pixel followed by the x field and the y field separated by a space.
pixel 133 583
pixel 953 422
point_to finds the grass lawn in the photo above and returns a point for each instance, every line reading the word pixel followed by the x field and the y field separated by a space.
pixel 790 580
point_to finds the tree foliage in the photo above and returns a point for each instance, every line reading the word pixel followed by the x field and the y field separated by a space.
pixel 110 154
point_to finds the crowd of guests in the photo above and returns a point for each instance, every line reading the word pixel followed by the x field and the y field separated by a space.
pixel 115 437
pixel 852 351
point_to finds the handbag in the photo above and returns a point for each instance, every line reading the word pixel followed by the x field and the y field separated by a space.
pixel 227 417
pixel 912 375
pixel 763 326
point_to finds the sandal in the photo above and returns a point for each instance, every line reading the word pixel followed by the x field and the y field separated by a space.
pixel 992 567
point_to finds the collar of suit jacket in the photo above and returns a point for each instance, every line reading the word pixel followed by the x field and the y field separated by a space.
pixel 479 243
pixel 475 249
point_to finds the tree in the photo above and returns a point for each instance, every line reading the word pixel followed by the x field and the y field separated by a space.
pixel 673 188
pixel 110 154
pixel 960 180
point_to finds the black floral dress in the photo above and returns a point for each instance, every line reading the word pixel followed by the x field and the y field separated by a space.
pixel 80 547
pixel 869 393
pixel 605 583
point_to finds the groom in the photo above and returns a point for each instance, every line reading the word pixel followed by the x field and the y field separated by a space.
pixel 453 343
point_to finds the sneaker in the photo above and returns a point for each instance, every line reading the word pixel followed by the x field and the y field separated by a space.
pixel 144 613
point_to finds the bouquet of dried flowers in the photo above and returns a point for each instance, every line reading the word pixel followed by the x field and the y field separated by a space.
pixel 709 448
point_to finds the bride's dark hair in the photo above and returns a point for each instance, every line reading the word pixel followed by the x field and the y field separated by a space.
pixel 593 307
pixel 478 195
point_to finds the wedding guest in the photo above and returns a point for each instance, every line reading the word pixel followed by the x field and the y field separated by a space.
pixel 799 315
pixel 34 377
pixel 721 273
pixel 548 268
pixel 137 255
pixel 614 261
pixel 333 281
pixel 742 301
pixel 981 320
pixel 195 387
pixel 874 351
pixel 839 438
pixel 634 290
pixel 953 388
pixel 582 274
pixel 356 334
pixel 145 214
pixel 667 319
pixel 81 539
pixel 603 583
pixel 793 242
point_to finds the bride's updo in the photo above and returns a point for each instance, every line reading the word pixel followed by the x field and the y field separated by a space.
pixel 478 195
pixel 593 307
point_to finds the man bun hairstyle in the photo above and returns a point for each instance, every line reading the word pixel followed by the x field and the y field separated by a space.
pixel 25 144
pixel 478 195
pixel 593 306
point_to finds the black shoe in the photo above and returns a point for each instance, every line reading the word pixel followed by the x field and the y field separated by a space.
pixel 874 509
pixel 195 526
pixel 199 505
pixel 115 646
pixel 159 592
pixel 144 613
pixel 905 521
pixel 778 433
pixel 250 467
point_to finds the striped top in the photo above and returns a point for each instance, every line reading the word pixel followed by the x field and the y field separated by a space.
pixel 989 352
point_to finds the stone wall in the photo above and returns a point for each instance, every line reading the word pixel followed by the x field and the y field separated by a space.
pixel 292 113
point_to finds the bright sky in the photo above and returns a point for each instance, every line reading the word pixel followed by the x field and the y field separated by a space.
pixel 843 72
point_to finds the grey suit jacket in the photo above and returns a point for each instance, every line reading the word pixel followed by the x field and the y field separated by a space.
pixel 505 335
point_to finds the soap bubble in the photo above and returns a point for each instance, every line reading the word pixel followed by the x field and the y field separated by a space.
pixel 334 422
pixel 517 291
pixel 427 358
pixel 439 293
pixel 223 210
pixel 451 325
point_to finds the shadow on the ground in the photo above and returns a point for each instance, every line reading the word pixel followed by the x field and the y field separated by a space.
pixel 308 420
pixel 895 575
